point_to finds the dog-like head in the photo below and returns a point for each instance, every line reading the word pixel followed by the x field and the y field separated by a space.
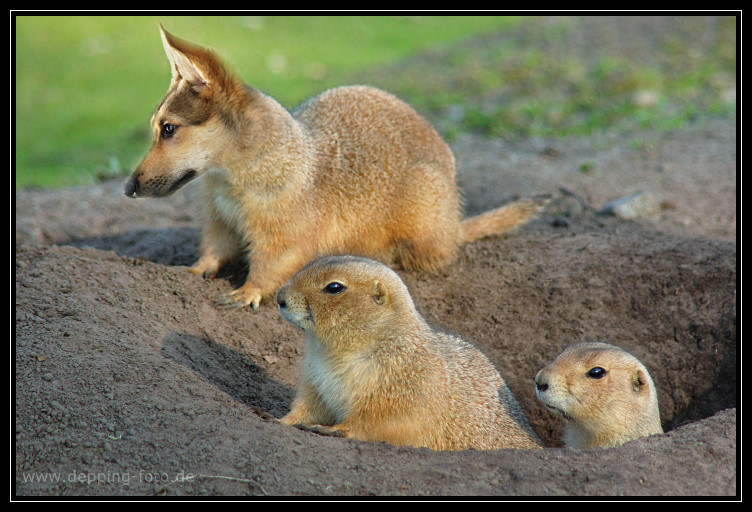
pixel 192 123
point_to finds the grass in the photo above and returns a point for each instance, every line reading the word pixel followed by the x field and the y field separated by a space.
pixel 533 80
pixel 86 86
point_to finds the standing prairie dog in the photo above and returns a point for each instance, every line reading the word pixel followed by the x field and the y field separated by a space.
pixel 604 393
pixel 374 370
pixel 353 170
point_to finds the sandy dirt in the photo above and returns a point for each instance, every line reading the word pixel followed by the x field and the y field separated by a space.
pixel 128 381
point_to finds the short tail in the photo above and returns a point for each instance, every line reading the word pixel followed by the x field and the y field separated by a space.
pixel 503 219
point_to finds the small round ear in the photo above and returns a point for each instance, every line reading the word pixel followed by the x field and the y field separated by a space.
pixel 380 293
pixel 639 381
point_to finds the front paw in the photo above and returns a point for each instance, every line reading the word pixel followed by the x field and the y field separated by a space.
pixel 207 267
pixel 322 429
pixel 263 414
pixel 243 296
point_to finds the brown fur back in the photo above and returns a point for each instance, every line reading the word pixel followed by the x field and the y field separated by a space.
pixel 353 170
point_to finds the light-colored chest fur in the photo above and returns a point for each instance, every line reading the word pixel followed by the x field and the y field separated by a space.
pixel 256 206
pixel 234 206
pixel 336 379
pixel 230 208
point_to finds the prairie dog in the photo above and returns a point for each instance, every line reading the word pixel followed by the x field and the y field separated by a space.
pixel 374 370
pixel 353 170
pixel 605 394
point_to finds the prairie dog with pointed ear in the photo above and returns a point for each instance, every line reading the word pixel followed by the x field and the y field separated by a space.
pixel 374 370
pixel 353 170
pixel 605 394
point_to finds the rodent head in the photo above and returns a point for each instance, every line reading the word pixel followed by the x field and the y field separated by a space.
pixel 605 394
pixel 344 299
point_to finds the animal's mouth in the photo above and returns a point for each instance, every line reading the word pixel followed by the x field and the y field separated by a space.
pixel 302 321
pixel 185 178
pixel 156 187
pixel 556 410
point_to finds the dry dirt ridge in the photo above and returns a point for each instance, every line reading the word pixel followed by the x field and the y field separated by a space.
pixel 128 381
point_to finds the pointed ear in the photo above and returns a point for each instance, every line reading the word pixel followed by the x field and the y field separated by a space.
pixel 639 381
pixel 380 294
pixel 189 62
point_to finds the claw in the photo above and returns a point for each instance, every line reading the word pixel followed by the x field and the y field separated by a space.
pixel 237 299
pixel 227 299
pixel 223 299
pixel 321 429
pixel 206 269
pixel 209 274
pixel 263 414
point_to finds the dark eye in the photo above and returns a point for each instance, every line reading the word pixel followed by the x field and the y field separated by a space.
pixel 168 130
pixel 596 373
pixel 334 288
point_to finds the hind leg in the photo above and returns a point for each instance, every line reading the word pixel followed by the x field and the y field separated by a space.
pixel 428 251
pixel 428 225
pixel 429 237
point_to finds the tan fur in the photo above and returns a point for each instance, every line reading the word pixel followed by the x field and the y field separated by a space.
pixel 353 170
pixel 375 371
pixel 609 411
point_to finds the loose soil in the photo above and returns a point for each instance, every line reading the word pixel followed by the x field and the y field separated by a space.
pixel 128 381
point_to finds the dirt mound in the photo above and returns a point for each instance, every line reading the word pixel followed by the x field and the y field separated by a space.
pixel 130 382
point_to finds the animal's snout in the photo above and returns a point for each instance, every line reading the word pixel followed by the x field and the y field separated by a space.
pixel 541 383
pixel 282 298
pixel 131 187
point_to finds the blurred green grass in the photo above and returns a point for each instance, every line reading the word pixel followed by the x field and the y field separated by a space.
pixel 575 76
pixel 86 86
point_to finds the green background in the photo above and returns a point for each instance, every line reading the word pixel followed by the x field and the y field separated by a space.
pixel 86 86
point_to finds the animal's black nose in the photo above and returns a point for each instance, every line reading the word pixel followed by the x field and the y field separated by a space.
pixel 542 386
pixel 131 187
pixel 281 303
